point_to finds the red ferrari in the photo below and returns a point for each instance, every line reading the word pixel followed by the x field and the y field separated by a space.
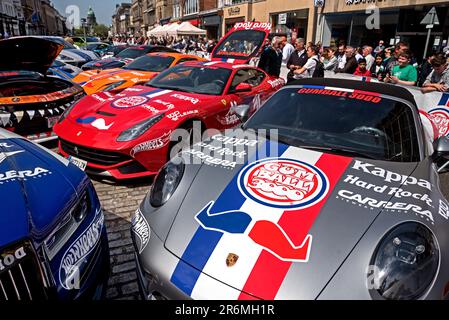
pixel 128 135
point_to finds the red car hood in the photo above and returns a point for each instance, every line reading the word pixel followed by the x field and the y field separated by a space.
pixel 112 114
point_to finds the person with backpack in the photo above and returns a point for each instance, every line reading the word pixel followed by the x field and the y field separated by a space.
pixel 313 68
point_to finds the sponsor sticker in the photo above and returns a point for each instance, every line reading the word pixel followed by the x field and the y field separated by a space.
pixel 129 102
pixel 253 25
pixel 283 183
pixel 77 253
pixel 175 116
pixel 141 229
pixel 440 117
pixel 185 98
pixel 365 96
pixel 153 144
pixel 408 194
pixel 276 83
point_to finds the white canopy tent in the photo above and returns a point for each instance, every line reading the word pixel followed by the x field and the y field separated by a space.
pixel 187 29
pixel 154 31
pixel 172 29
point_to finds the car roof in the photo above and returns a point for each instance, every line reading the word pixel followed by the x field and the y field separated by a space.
pixel 172 54
pixel 219 64
pixel 359 83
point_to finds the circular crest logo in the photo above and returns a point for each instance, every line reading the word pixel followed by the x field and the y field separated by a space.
pixel 283 183
pixel 440 117
pixel 129 102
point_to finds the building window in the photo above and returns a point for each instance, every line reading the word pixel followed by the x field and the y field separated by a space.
pixel 190 7
pixel 176 11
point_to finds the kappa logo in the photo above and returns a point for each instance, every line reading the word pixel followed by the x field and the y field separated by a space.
pixel 129 102
pixel 440 117
pixel 283 183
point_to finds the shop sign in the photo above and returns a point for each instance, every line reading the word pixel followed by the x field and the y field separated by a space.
pixel 282 18
pixel 234 11
pixel 319 3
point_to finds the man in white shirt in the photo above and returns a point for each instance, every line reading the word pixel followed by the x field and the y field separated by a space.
pixel 309 68
pixel 368 57
pixel 287 51
pixel 341 57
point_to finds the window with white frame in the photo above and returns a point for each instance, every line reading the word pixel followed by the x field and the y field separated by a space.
pixel 190 7
pixel 176 11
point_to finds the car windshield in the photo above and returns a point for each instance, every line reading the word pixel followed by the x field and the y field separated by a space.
pixel 195 79
pixel 131 53
pixel 349 123
pixel 150 63
pixel 240 44
pixel 92 46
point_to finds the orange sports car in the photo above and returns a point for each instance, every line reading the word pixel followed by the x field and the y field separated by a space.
pixel 137 72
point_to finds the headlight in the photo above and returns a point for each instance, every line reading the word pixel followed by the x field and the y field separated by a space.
pixel 139 129
pixel 67 227
pixel 166 182
pixel 404 263
pixel 114 85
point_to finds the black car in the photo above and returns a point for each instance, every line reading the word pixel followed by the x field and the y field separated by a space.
pixel 30 101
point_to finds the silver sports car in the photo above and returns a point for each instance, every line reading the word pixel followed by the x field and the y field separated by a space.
pixel 329 191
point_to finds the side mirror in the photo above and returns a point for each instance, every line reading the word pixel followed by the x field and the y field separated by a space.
pixel 242 111
pixel 441 154
pixel 243 87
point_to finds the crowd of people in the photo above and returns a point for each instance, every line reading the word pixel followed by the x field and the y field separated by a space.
pixel 394 65
pixel 184 44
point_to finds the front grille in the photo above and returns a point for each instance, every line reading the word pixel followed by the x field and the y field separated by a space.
pixel 94 156
pixel 21 276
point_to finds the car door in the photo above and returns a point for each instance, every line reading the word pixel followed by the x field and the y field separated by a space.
pixel 251 76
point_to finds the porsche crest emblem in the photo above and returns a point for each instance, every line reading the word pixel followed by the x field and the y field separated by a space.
pixel 231 260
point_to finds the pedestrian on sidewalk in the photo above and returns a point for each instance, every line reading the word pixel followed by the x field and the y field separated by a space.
pixel 362 69
pixel 271 58
pixel 403 73
pixel 287 51
pixel 308 70
pixel 297 60
pixel 438 79
pixel 329 59
pixel 351 63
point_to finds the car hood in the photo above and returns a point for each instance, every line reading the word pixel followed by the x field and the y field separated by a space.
pixel 108 113
pixel 28 53
pixel 107 63
pixel 92 79
pixel 36 190
pixel 278 225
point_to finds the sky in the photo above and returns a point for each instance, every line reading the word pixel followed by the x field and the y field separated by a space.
pixel 103 8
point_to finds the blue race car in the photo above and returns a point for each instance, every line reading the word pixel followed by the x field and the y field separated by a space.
pixel 53 242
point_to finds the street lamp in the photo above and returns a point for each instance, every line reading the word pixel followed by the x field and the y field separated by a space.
pixel 83 24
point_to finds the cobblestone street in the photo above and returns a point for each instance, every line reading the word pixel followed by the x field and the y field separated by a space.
pixel 119 202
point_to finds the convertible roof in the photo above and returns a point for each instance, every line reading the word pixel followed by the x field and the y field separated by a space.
pixel 377 87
